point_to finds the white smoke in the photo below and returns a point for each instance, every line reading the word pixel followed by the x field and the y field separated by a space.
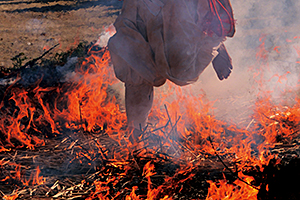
pixel 105 35
pixel 276 23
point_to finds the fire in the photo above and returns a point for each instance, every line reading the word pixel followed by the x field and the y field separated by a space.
pixel 11 126
pixel 19 174
pixel 10 197
pixel 238 190
pixel 88 101
pixel 262 53
pixel 189 136
pixel 34 179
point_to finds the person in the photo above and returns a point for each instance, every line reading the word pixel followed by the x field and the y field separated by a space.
pixel 157 40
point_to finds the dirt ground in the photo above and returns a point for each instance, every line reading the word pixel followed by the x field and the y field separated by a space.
pixel 32 26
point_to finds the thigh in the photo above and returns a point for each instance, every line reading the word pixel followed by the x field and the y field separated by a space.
pixel 130 51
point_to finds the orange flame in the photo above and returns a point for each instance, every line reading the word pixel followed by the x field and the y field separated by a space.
pixel 10 197
pixel 236 191
pixel 89 107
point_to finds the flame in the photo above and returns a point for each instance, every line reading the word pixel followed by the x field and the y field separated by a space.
pixel 276 49
pixel 88 101
pixel 262 53
pixel 297 48
pixel 236 191
pixel 190 134
pixel 46 48
pixel 11 126
pixel 10 197
pixel 19 174
pixel 34 179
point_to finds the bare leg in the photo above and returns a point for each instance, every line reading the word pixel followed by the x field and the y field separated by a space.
pixel 138 102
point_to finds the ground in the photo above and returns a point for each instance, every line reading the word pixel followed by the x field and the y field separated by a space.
pixel 32 26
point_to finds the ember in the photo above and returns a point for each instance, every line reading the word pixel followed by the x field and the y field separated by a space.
pixel 70 140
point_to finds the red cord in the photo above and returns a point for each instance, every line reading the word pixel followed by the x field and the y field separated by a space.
pixel 213 8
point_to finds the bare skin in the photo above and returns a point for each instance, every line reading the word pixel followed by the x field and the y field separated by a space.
pixel 138 102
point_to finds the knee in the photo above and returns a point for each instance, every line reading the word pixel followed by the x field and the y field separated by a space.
pixel 140 92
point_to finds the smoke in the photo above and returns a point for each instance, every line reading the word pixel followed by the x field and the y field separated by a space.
pixel 265 44
pixel 266 56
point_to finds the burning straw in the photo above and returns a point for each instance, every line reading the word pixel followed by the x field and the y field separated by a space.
pixel 70 141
